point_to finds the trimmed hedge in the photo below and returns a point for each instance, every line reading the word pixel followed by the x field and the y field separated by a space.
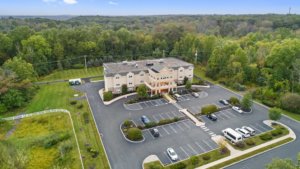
pixel 209 109
pixel 134 134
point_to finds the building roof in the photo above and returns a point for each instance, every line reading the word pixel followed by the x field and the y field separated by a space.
pixel 124 67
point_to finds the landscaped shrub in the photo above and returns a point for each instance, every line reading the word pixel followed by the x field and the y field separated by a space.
pixel 194 160
pixel 124 89
pixel 179 165
pixel 206 157
pixel 151 124
pixel 73 102
pixel 275 114
pixel 246 102
pixel 276 132
pixel 240 144
pixel 155 166
pixel 265 137
pixel 80 106
pixel 134 134
pixel 107 96
pixel 234 101
pixel 209 109
pixel 250 142
pixel 239 87
pixel 127 123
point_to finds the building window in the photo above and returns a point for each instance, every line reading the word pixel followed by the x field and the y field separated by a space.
pixel 130 76
pixel 180 77
pixel 117 84
pixel 142 74
pixel 142 81
pixel 130 83
pixel 117 77
pixel 181 70
pixel 190 75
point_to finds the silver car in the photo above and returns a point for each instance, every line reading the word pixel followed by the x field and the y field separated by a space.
pixel 172 154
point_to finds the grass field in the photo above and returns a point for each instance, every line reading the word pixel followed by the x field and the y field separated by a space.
pixel 44 141
pixel 58 96
pixel 73 73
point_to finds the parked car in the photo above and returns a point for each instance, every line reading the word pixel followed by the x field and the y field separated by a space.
pixel 224 102
pixel 154 132
pixel 243 132
pixel 212 117
pixel 195 94
pixel 177 96
pixel 250 130
pixel 172 154
pixel 237 109
pixel 232 135
pixel 145 120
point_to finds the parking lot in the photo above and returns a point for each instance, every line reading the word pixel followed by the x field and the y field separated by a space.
pixel 183 136
pixel 196 141
pixel 146 104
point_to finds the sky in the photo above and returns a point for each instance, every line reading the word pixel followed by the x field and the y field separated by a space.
pixel 146 7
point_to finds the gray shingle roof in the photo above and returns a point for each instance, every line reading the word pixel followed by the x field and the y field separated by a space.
pixel 143 65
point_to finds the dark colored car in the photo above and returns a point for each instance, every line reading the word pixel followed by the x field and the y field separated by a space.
pixel 154 132
pixel 224 102
pixel 212 117
pixel 145 119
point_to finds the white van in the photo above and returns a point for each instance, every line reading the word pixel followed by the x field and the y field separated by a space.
pixel 232 135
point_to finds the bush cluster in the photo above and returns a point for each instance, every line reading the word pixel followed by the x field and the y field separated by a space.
pixel 206 157
pixel 265 137
pixel 94 153
pixel 134 134
pixel 209 109
pixel 240 144
pixel 107 96
pixel 55 139
pixel 179 165
pixel 234 101
pixel 161 122
pixel 250 142
pixel 276 132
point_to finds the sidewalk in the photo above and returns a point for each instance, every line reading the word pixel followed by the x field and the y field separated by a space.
pixel 192 117
pixel 236 153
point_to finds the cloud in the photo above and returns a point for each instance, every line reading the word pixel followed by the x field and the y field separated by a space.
pixel 70 2
pixel 113 3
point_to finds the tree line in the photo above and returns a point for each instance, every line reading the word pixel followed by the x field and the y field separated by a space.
pixel 261 51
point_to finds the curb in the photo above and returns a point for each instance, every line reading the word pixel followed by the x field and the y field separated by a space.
pixel 135 142
pixel 115 99
pixel 98 132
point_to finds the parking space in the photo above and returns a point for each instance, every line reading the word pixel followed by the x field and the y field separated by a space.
pixel 146 104
pixel 186 150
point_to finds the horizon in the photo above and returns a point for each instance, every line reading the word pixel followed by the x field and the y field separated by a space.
pixel 146 8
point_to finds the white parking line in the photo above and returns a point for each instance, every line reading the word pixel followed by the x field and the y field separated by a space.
pixel 195 152
pixel 170 117
pixel 172 128
pixel 160 115
pixel 184 151
pixel 226 115
pixel 165 130
pixel 232 114
pixel 177 124
pixel 207 144
pixel 200 146
pixel 220 116
pixel 174 113
pixel 262 126
pixel 255 128
pixel 155 118
pixel 165 153
pixel 151 135
pixel 183 122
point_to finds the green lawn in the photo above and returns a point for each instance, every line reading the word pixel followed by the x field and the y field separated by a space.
pixel 203 159
pixel 44 141
pixel 73 73
pixel 56 96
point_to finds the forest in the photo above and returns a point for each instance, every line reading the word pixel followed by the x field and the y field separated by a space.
pixel 257 53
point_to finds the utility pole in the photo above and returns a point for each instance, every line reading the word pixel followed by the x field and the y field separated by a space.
pixel 85 63
pixel 290 10
pixel 196 56
pixel 163 53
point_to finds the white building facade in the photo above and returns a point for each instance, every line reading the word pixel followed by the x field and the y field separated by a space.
pixel 159 75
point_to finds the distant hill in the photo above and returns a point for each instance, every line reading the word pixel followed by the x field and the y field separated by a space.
pixel 56 17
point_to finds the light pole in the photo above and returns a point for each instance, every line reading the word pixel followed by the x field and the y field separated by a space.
pixel 85 63
pixel 196 56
